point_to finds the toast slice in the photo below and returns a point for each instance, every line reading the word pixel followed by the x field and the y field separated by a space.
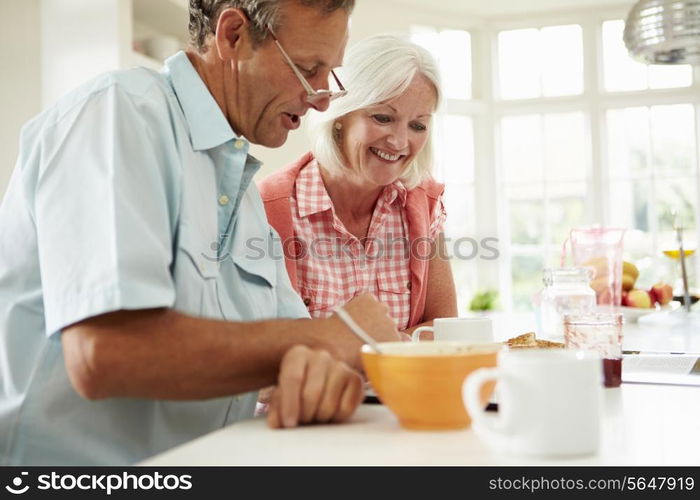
pixel 529 341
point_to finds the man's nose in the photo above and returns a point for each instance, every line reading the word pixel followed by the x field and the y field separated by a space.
pixel 319 103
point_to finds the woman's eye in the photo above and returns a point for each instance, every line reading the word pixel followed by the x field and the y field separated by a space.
pixel 419 127
pixel 381 118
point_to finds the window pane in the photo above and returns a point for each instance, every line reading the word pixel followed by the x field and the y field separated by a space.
pixel 452 51
pixel 673 139
pixel 562 53
pixel 465 277
pixel 427 37
pixel 454 141
pixel 629 204
pixel 620 71
pixel 518 62
pixel 521 147
pixel 527 218
pixel 455 64
pixel 565 146
pixel 670 76
pixel 526 272
pixel 566 209
pixel 676 194
pixel 628 142
pixel 459 204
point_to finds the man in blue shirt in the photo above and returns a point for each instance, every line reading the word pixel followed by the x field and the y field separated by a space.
pixel 136 309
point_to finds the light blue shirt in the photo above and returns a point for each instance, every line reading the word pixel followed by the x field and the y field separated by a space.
pixel 132 192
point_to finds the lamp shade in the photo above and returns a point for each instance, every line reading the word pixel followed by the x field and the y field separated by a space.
pixel 664 31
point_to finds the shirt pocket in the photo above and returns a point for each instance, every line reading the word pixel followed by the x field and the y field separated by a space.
pixel 386 283
pixel 195 273
pixel 250 279
pixel 320 302
pixel 395 293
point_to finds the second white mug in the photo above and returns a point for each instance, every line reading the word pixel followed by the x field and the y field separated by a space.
pixel 472 330
pixel 549 402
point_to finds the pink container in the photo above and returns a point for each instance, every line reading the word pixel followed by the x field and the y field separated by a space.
pixel 601 250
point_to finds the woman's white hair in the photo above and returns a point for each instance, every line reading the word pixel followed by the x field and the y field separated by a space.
pixel 376 70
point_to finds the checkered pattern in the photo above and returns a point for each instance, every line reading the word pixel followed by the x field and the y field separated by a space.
pixel 334 266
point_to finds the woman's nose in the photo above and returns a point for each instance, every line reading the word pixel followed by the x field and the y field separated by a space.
pixel 398 139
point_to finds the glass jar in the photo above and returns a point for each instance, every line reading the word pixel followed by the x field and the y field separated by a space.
pixel 566 291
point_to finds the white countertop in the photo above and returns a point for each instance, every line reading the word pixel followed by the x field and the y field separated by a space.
pixel 642 425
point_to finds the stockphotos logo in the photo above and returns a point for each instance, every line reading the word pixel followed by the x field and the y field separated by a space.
pixel 17 488
pixel 107 483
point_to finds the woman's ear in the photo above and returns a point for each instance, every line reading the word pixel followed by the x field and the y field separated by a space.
pixel 230 28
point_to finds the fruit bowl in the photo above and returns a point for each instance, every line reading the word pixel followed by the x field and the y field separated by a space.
pixel 632 314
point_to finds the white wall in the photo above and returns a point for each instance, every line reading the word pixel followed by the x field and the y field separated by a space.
pixel 20 77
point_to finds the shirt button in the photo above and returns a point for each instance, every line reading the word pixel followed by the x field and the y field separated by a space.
pixel 223 200
pixel 307 302
pixel 239 143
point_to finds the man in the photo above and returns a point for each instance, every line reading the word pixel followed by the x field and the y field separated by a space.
pixel 133 316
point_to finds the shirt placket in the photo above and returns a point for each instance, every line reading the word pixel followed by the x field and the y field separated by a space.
pixel 233 174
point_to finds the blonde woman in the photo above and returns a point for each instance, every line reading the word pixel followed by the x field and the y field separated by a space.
pixel 360 212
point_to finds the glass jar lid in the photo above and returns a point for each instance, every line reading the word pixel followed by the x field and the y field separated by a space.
pixel 556 275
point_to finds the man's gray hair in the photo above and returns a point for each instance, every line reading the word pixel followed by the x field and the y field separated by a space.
pixel 376 70
pixel 204 14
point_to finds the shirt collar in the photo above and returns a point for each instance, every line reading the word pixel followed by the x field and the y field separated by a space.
pixel 313 198
pixel 395 193
pixel 207 124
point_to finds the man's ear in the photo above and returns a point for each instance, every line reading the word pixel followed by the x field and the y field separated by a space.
pixel 231 26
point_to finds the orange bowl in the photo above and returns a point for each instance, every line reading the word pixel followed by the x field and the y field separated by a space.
pixel 421 382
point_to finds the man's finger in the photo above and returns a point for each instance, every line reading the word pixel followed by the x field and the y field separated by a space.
pixel 314 384
pixel 352 395
pixel 335 383
pixel 291 380
pixel 273 413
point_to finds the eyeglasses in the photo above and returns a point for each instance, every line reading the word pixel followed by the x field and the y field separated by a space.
pixel 313 97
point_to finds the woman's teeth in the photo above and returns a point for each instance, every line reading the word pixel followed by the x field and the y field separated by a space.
pixel 385 156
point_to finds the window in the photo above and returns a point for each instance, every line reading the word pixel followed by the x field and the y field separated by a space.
pixel 453 138
pixel 624 73
pixel 543 62
pixel 545 172
pixel 652 169
pixel 559 144
pixel 452 50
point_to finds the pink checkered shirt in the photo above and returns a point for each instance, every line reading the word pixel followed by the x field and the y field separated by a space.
pixel 335 266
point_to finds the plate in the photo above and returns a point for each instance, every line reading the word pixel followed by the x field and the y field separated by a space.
pixel 632 314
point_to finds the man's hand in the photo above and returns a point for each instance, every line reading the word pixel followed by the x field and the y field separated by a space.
pixel 313 387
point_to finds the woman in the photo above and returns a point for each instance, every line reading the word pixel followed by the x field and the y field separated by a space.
pixel 360 213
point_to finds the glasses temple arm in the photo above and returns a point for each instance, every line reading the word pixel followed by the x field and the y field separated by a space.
pixel 337 81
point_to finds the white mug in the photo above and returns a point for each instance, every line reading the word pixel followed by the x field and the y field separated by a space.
pixel 549 402
pixel 472 330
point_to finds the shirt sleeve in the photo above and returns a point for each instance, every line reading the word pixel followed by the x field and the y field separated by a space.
pixel 437 219
pixel 103 213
